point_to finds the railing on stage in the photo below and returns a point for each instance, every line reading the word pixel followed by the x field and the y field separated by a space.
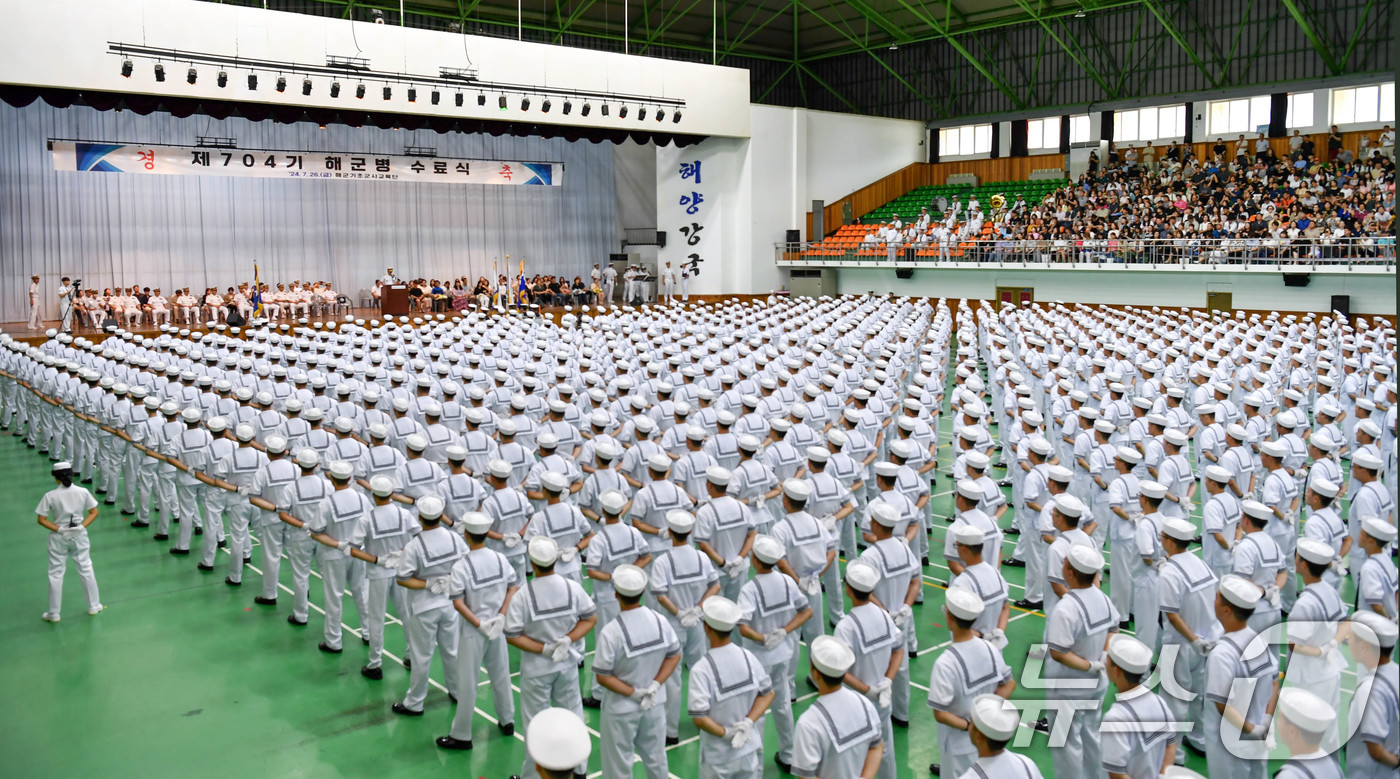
pixel 1370 254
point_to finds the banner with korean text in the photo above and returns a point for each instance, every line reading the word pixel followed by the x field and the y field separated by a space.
pixel 333 166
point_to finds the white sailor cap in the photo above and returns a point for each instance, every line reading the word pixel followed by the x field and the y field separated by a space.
pixel 1128 455
pixel 382 486
pixel 1378 529
pixel 1178 528
pixel 721 613
pixel 543 551
pixel 1375 629
pixel 339 469
pixel 499 468
pixel 476 522
pixel 995 717
pixel 977 460
pixel 1237 432
pixel 832 656
pixel 1130 654
pixel 749 443
pixel 1257 510
pixel 1364 459
pixel 963 603
pixel 818 454
pixel 862 577
pixel 1040 446
pixel 554 481
pixel 1085 559
pixel 768 549
pixel 1104 426
pixel 886 468
pixel 1315 551
pixel 1274 448
pixel 558 740
pixel 883 514
pixel 1325 488
pixel 416 442
pixel 507 427
pixel 1240 591
pixel 1153 490
pixel 969 535
pixel 547 441
pixel 902 448
pixel 1218 474
pixel 612 501
pixel 629 580
pixel 968 488
pixel 680 521
pixel 1306 711
pixel 1059 473
pixel 276 444
pixel 1175 437
pixel 718 475
pixel 659 463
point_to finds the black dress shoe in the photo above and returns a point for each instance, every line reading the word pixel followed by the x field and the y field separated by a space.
pixel 448 742
pixel 99 490
pixel 161 537
pixel 204 567
pixel 407 664
pixel 1013 531
pixel 1041 725
pixel 126 513
pixel 899 723
pixel 591 703
pixel 139 523
pixel 1032 605
pixel 935 769
pixel 507 729
pixel 452 697
pixel 109 502
pixel 86 481
pixel 782 764
pixel 230 582
pixel 199 531
pixel 223 544
pixel 248 560
pixel 372 673
pixel 179 552
pixel 672 740
pixel 261 601
pixel 924 561
pixel 399 708
pixel 1012 562
pixel 292 620
pixel 364 638
pixel 1126 624
pixel 327 648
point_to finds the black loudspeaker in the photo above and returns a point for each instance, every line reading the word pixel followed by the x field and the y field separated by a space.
pixel 661 238
pixel 794 236
pixel 109 322
pixel 904 273
pixel 1342 304
pixel 1296 279
pixel 234 319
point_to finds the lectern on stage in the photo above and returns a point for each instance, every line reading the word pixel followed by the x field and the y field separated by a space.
pixel 393 300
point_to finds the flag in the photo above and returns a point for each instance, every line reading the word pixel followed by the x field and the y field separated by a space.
pixel 257 293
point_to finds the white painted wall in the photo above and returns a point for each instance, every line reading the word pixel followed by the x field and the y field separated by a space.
pixel 64 43
pixel 724 243
pixel 846 152
pixel 1370 294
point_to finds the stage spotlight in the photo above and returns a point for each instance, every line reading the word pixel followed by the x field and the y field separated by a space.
pixel 603 109
pixel 412 95
pixel 660 114
pixel 587 107
pixel 281 84
pixel 524 104
pixel 335 89
pixel 622 112
pixel 388 92
pixel 436 96
pixel 222 79
pixel 160 72
pixel 676 117
pixel 306 86
pixel 480 99
pixel 641 114
pixel 126 68
pixel 252 81
pixel 568 107
pixel 360 91
pixel 544 107
pixel 502 102
pixel 460 99
pixel 191 75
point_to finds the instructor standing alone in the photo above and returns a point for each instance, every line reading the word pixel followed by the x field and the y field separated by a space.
pixel 65 512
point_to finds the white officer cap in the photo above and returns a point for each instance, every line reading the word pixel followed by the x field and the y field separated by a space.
pixel 1274 448
pixel 456 454
pixel 718 475
pixel 832 656
pixel 376 430
pixel 554 481
pixel 680 521
pixel 995 717
pixel 963 603
pixel 276 444
pixel 543 551
pixel 507 427
pixel 768 549
pixel 1240 591
pixel 1375 629
pixel 1085 559
pixel 1218 473
pixel 558 740
pixel 750 443
pixel 430 507
pixel 1325 488
pixel 1061 474
pixel 797 489
pixel 382 486
pixel 886 468
pixel 1152 489
pixel 1315 551
pixel 499 468
pixel 1127 455
pixel 862 577
pixel 339 469
pixel 1366 460
pixel 968 488
pixel 1378 529
pixel 1130 654
pixel 1305 710
pixel 416 442
pixel 969 535
pixel 476 522
pixel 721 613
pixel 629 580
pixel 612 501
pixel 1178 528
pixel 883 514
pixel 1254 508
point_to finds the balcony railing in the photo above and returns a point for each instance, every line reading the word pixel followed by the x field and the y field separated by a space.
pixel 1373 254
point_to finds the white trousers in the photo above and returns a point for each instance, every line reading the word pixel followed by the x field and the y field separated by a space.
pixel 1082 753
pixel 62 549
pixel 541 691
pixel 187 495
pixel 34 323
pixel 1146 608
pixel 240 544
pixel 380 591
pixel 781 674
pixel 1189 672
pixel 642 732
pixel 428 631
pixel 747 766
pixel 300 550
pixel 272 538
pixel 336 576
pixel 475 654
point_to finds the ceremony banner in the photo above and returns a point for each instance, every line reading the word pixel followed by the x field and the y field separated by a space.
pixel 334 166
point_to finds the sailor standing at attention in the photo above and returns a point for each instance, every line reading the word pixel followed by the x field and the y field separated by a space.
pixel 995 722
pixel 66 511
pixel 773 608
pixel 729 694
pixel 838 737
pixel 970 667
pixel 879 651
pixel 426 570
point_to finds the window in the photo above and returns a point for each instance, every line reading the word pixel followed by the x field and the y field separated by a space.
pixel 965 141
pixel 1244 115
pixel 1148 124
pixel 1359 105
pixel 1300 110
pixel 1043 133
pixel 1079 129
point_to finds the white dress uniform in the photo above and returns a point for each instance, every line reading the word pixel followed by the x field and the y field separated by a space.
pixel 273 483
pixel 1232 661
pixel 808 544
pixel 305 501
pixel 1136 733
pixel 725 523
pixel 1221 514
pixel 1187 588
pixel 898 566
pixel 1081 623
pixel 723 687
pixel 482 578
pixel 1140 560
pixel 67 507
pixel 34 305
pixel 965 670
pixel 991 587
pixel 1257 558
pixel 834 735
pixel 683 576
pixel 1375 712
pixel 567 526
pixel 633 648
pixel 874 638
pixel 432 621
pixel 385 531
pixel 340 514
pixel 770 601
pixel 1313 622
pixel 242 468
pixel 1003 765
pixel 510 510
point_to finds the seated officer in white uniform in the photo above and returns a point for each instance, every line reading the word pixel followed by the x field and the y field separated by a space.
pixel 730 692
pixel 1139 741
pixel 557 742
pixel 483 583
pixel 636 654
pixel 995 722
pixel 971 666
pixel 1303 722
pixel 879 650
pixel 838 737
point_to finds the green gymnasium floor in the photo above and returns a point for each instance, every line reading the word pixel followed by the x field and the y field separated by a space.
pixel 183 674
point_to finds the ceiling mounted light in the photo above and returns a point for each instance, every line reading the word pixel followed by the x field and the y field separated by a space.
pixel 412 95
pixel 568 107
pixel 127 67
pixel 222 78
pixel 642 114
pixel 660 114
pixel 360 91
pixel 460 99
pixel 524 104
pixel 388 92
pixel 622 112
pixel 281 84
pixel 676 117
pixel 1079 14
pixel 191 75
pixel 435 97
pixel 160 72
pixel 544 107
pixel 306 86
pixel 480 99
pixel 603 109
pixel 587 107
pixel 335 89
pixel 501 101
pixel 252 81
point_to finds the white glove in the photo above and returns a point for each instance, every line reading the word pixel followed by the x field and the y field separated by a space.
pixel 689 618
pixel 245 490
pixel 828 522
pixel 439 586
pixel 1202 646
pixel 739 733
pixel 640 694
pixel 511 540
pixel 558 649
pixel 1270 739
pixel 1135 518
pixel 1271 593
pixel 775 639
pixel 902 617
pixel 1156 565
pixel 759 504
pixel 810 585
pixel 492 627
pixel 567 554
pixel 736 567
pixel 1329 647
pixel 1096 667
pixel 997 638
pixel 881 693
pixel 1338 567
pixel 308 529
pixel 649 699
pixel 390 559
pixel 344 546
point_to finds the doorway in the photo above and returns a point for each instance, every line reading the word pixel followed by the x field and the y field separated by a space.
pixel 1220 301
pixel 1017 296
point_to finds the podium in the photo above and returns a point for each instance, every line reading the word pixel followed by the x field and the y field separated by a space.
pixel 393 300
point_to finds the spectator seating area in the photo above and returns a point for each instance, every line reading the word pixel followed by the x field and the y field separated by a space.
pixel 907 205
